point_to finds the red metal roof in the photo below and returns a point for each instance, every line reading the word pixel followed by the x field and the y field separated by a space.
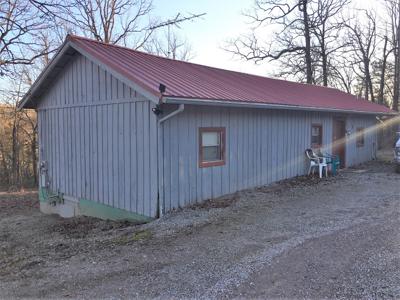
pixel 193 81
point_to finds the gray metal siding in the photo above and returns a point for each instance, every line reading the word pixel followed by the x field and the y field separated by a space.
pixel 99 138
pixel 83 82
pixel 357 155
pixel 262 146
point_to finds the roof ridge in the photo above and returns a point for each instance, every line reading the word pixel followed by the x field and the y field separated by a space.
pixel 72 37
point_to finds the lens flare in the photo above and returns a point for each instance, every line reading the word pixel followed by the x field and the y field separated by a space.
pixel 300 158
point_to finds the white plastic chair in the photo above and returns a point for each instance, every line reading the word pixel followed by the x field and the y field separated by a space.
pixel 316 162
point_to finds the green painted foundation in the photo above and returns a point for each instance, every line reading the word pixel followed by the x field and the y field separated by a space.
pixel 88 208
pixel 45 195
pixel 94 209
pixel 42 195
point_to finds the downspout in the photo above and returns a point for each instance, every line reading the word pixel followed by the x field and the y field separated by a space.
pixel 180 109
pixel 160 154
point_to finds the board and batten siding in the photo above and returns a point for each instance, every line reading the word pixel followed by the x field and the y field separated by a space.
pixel 262 146
pixel 98 137
pixel 356 155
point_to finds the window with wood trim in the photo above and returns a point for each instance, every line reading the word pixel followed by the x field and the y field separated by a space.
pixel 316 135
pixel 211 146
pixel 360 137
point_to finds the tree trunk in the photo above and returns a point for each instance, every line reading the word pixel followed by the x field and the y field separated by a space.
pixel 396 85
pixel 383 73
pixel 369 89
pixel 4 164
pixel 34 158
pixel 396 91
pixel 15 178
pixel 324 65
pixel 303 8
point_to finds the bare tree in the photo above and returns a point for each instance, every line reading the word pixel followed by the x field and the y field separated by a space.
pixel 20 25
pixel 362 41
pixel 126 22
pixel 383 69
pixel 342 76
pixel 292 38
pixel 109 21
pixel 30 127
pixel 170 45
pixel 12 116
pixel 393 10
pixel 326 29
pixel 18 138
pixel 303 6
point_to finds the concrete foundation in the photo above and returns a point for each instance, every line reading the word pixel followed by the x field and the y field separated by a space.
pixel 68 207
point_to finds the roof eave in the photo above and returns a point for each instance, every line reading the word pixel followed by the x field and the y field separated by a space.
pixel 43 75
pixel 215 102
pixel 26 101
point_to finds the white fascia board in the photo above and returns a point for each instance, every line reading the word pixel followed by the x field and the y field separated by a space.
pixel 211 102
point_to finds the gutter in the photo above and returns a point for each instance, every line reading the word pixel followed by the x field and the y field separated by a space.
pixel 160 151
pixel 180 109
pixel 214 102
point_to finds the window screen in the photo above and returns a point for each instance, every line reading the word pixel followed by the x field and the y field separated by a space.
pixel 212 147
pixel 316 136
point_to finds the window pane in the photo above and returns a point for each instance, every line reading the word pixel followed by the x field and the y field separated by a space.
pixel 210 139
pixel 316 136
pixel 360 137
pixel 211 147
pixel 211 153
pixel 315 140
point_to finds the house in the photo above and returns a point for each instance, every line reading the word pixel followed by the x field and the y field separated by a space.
pixel 129 135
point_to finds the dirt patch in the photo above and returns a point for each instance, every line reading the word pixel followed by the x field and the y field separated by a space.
pixel 299 182
pixel 129 238
pixel 18 202
pixel 81 227
pixel 304 237
pixel 221 202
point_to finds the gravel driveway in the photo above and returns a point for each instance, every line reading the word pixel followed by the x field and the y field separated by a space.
pixel 332 238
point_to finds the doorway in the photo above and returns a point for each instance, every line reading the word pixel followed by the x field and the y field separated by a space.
pixel 339 140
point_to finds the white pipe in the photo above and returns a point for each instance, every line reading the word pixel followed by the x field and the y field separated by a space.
pixel 160 176
pixel 180 109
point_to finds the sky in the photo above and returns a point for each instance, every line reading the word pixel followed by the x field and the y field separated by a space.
pixel 208 35
pixel 224 21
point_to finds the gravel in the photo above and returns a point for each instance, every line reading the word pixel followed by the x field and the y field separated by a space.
pixel 299 238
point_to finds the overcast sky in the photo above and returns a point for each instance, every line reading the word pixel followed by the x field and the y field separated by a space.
pixel 223 21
